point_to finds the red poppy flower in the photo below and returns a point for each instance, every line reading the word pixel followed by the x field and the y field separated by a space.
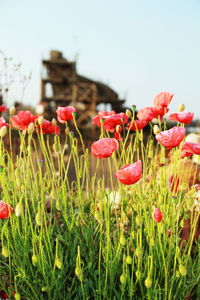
pixel 64 114
pixel 3 108
pixel 162 100
pixel 3 122
pixel 182 117
pixel 190 148
pixel 48 128
pixel 136 125
pixel 171 138
pixel 160 111
pixel 147 114
pixel 104 147
pixel 117 136
pixel 130 174
pixel 110 122
pixel 157 215
pixel 3 295
pixel 23 119
pixel 97 119
pixel 5 210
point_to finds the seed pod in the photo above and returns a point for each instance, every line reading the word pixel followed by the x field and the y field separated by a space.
pixel 122 278
pixel 3 131
pixel 182 270
pixel 19 209
pixel 129 260
pixel 148 282
pixel 181 107
pixel 5 251
pixel 12 110
pixel 34 260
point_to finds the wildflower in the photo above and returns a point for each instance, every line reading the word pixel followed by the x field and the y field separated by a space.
pixel 171 138
pixel 97 119
pixel 136 125
pixel 64 114
pixel 163 99
pixel 139 252
pixel 130 174
pixel 147 114
pixel 3 122
pixel 5 210
pixel 182 117
pixel 58 263
pixel 110 122
pixel 48 128
pixel 3 108
pixel 12 110
pixel 122 240
pixel 157 215
pixel 160 111
pixel 23 119
pixel 104 147
pixel 190 148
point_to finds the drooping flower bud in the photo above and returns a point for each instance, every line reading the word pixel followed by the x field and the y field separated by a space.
pixel 31 128
pixel 139 252
pixel 40 120
pixel 182 270
pixel 148 282
pixel 157 215
pixel 3 131
pixel 129 260
pixel 54 122
pixel 128 113
pixel 156 129
pixel 181 107
pixel 5 251
pixel 17 296
pixel 34 260
pixel 58 263
pixel 139 220
pixel 19 209
pixel 122 278
pixel 12 110
pixel 122 240
pixel 38 218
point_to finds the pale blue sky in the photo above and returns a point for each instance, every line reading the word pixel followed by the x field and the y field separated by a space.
pixel 138 47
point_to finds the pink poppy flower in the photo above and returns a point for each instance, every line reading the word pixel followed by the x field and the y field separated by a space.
pixel 64 114
pixel 3 122
pixel 136 125
pixel 5 210
pixel 3 108
pixel 182 117
pixel 147 114
pixel 104 147
pixel 130 174
pixel 157 215
pixel 171 138
pixel 97 119
pixel 110 122
pixel 163 99
pixel 48 128
pixel 23 119
pixel 190 149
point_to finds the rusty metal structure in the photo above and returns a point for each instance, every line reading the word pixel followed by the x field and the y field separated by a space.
pixel 62 86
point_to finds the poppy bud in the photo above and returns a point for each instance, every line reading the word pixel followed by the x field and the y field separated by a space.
pixel 128 113
pixel 132 234
pixel 5 251
pixel 152 242
pixel 55 147
pixel 12 110
pixel 67 130
pixel 17 296
pixel 129 260
pixel 156 129
pixel 181 107
pixel 38 218
pixel 178 274
pixel 118 129
pixel 79 273
pixel 182 270
pixel 148 282
pixel 139 220
pixel 58 205
pixel 54 122
pixel 58 263
pixel 139 252
pixel 138 274
pixel 157 215
pixel 122 278
pixel 34 260
pixel 3 131
pixel 19 209
pixel 40 120
pixel 31 128
pixel 122 240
